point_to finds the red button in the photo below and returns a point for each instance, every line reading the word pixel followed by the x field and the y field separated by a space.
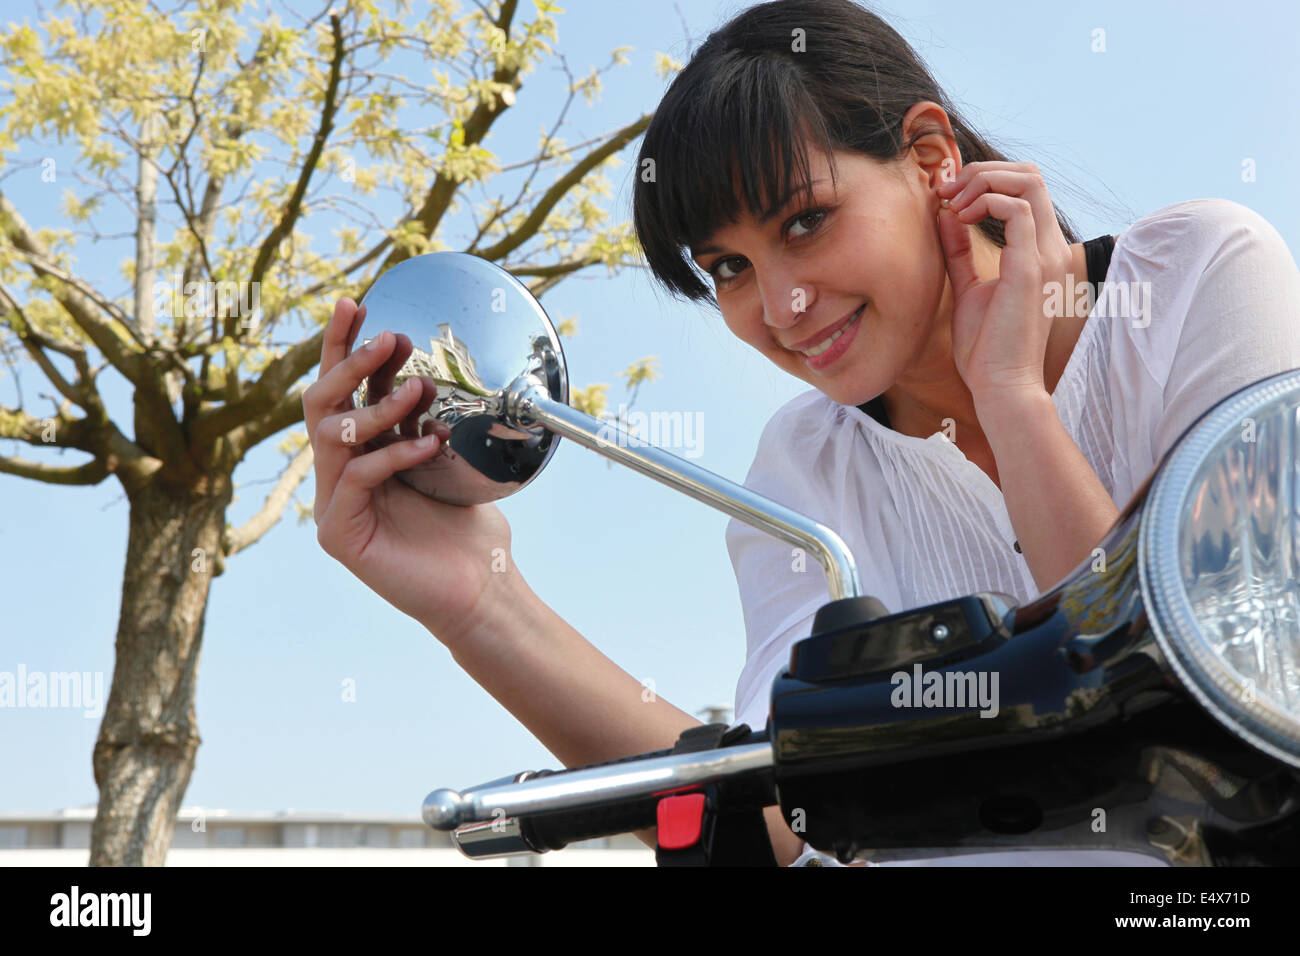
pixel 681 820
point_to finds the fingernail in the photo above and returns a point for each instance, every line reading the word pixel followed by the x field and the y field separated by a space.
pixel 428 441
pixel 377 341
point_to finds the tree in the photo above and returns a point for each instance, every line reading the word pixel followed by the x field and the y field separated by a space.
pixel 230 154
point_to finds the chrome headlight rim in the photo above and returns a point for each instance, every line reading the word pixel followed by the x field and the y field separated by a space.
pixel 1210 681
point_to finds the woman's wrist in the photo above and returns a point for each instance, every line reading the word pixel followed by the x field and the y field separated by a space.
pixel 496 615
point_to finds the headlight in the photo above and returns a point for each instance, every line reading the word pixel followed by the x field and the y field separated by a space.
pixel 1219 558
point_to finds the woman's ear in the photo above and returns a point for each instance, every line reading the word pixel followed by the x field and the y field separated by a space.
pixel 936 154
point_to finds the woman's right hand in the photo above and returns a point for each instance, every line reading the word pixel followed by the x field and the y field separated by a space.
pixel 431 560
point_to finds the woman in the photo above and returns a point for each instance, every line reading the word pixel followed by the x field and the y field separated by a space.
pixel 965 431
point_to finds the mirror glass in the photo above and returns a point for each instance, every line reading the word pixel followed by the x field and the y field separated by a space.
pixel 469 329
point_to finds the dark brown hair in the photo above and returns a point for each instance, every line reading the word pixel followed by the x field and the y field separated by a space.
pixel 742 107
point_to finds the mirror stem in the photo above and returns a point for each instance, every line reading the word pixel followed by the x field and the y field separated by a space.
pixel 527 404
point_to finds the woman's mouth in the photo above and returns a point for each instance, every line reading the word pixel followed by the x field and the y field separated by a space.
pixel 824 353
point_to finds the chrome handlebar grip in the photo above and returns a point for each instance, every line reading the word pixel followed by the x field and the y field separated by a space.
pixel 575 789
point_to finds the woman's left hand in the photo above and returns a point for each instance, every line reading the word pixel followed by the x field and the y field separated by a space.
pixel 1000 326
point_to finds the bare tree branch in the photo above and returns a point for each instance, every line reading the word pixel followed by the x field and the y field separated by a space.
pixel 287 411
pixel 264 394
pixel 147 199
pixel 96 433
pixel 237 539
pixel 542 155
pixel 126 360
pixel 71 350
pixel 536 162
pixel 200 226
pixel 476 127
pixel 542 286
pixel 155 423
pixel 47 266
pixel 18 425
pixel 528 228
pixel 351 267
pixel 33 341
pixel 91 473
pixel 271 244
pixel 557 269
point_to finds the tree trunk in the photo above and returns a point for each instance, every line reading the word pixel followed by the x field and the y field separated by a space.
pixel 149 736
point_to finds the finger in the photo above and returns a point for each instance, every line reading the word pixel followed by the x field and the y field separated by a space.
pixel 331 398
pixel 342 437
pixel 335 345
pixel 359 318
pixel 381 383
pixel 357 426
pixel 411 426
pixel 332 393
pixel 951 187
pixel 1008 181
pixel 1027 185
pixel 1019 260
pixel 957 252
pixel 434 427
pixel 339 334
pixel 365 473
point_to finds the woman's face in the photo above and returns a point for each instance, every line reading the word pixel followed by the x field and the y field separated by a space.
pixel 868 242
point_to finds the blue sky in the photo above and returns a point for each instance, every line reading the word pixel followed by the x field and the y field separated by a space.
pixel 1183 93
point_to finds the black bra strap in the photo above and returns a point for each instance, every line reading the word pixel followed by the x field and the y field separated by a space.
pixel 876 409
pixel 1096 253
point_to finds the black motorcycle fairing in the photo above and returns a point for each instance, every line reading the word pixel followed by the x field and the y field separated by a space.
pixel 1093 743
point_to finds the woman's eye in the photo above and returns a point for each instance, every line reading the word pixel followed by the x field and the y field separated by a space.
pixel 718 268
pixel 810 220
pixel 814 214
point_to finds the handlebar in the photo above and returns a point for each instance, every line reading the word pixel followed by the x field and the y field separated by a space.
pixel 547 810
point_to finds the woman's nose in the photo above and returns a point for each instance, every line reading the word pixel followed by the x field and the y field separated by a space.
pixel 784 303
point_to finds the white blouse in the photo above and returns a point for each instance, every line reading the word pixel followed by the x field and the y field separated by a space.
pixel 1201 298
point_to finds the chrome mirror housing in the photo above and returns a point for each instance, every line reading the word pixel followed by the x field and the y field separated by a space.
pixel 472 329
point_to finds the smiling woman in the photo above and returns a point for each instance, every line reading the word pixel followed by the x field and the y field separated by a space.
pixel 806 140
pixel 965 431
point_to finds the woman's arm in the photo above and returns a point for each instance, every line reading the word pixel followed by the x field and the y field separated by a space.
pixel 581 706
pixel 1240 285
pixel 1057 505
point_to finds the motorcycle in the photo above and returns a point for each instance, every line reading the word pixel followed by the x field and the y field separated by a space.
pixel 1149 702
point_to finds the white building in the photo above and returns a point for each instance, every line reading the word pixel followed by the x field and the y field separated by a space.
pixel 207 837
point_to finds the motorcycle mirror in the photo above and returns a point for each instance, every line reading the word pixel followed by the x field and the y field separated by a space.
pixel 471 329
pixel 476 333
